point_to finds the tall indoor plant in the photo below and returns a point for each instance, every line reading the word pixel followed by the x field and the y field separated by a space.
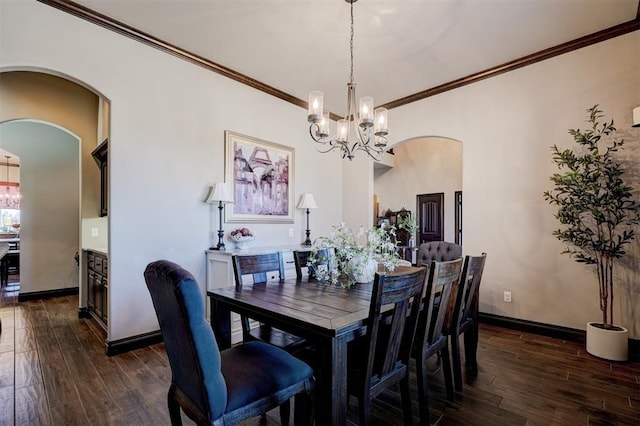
pixel 598 212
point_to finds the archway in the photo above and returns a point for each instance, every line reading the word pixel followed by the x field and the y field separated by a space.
pixel 64 102
pixel 422 165
pixel 50 204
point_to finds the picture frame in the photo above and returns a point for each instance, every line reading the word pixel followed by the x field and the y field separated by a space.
pixel 260 176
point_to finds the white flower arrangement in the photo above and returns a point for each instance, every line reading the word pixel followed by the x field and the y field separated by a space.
pixel 357 255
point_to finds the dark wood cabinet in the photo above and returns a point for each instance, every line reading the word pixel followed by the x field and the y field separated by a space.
pixel 98 287
pixel 101 155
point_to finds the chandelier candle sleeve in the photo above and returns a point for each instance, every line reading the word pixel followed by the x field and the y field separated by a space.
pixel 381 122
pixel 366 111
pixel 315 107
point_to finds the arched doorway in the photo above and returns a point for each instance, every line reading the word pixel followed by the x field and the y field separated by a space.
pixel 422 165
pixel 50 203
pixel 61 102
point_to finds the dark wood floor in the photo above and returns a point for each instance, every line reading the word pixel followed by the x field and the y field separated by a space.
pixel 53 371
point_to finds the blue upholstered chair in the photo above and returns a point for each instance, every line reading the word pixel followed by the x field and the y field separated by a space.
pixel 214 387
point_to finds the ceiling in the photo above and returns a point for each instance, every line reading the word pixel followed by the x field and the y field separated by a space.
pixel 401 47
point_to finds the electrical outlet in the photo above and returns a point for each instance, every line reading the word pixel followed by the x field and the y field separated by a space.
pixel 95 232
pixel 291 232
pixel 507 296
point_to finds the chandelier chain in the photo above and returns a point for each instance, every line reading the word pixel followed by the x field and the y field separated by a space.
pixel 351 44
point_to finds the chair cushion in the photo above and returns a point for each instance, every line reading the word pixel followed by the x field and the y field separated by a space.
pixel 256 370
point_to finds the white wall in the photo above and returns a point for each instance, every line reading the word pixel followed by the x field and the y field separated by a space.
pixel 422 166
pixel 507 124
pixel 168 119
pixel 50 203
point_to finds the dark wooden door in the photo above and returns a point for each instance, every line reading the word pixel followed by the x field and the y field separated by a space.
pixel 431 217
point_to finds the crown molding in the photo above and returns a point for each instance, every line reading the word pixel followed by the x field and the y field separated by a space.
pixel 540 56
pixel 135 34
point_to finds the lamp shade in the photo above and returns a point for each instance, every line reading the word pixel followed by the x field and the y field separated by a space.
pixel 307 202
pixel 636 117
pixel 219 192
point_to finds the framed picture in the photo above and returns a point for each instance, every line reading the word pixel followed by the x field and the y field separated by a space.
pixel 260 175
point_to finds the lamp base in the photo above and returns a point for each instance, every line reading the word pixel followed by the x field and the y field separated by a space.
pixel 307 241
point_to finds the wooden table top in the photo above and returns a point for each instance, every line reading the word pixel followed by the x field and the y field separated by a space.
pixel 326 309
pixel 318 308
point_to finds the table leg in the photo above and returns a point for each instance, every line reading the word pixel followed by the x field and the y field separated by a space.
pixel 331 391
pixel 220 323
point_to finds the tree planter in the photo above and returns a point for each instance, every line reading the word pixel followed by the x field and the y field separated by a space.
pixel 611 344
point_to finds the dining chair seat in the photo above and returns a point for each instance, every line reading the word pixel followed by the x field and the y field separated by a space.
pixel 212 386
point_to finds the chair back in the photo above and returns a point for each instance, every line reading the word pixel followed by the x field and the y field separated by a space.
pixel 439 251
pixel 193 353
pixel 466 300
pixel 442 277
pixel 388 356
pixel 322 258
pixel 258 266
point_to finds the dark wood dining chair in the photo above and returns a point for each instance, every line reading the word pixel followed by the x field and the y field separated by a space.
pixel 430 339
pixel 380 359
pixel 214 387
pixel 262 268
pixel 322 259
pixel 464 318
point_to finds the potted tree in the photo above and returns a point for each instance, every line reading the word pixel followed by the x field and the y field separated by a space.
pixel 598 212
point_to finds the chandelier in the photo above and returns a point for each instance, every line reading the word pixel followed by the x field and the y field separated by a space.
pixel 11 197
pixel 360 130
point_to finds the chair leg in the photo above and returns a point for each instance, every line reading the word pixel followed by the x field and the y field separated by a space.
pixel 405 394
pixel 455 355
pixel 423 394
pixel 174 407
pixel 470 350
pixel 364 408
pixel 446 368
pixel 285 412
pixel 303 410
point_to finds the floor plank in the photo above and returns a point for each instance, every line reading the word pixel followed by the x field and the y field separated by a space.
pixel 54 371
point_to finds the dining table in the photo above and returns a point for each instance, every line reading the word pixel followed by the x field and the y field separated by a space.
pixel 328 316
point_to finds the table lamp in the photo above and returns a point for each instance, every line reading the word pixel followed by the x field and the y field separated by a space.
pixel 220 193
pixel 307 202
